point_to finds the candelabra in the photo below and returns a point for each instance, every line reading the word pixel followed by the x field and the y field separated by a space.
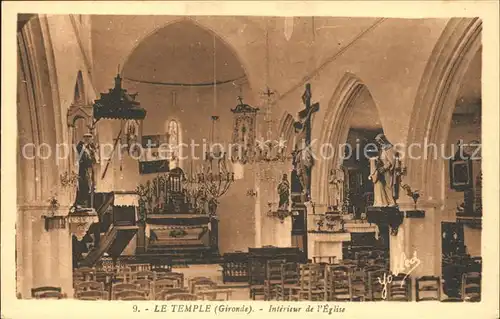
pixel 215 178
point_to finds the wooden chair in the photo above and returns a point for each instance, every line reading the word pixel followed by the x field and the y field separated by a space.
pixel 194 280
pixel 116 288
pixel 399 289
pixel 428 288
pixel 85 273
pixel 122 275
pixel 92 295
pixel 374 287
pixel 203 284
pixel 359 286
pixel 160 272
pixel 145 285
pixel 47 292
pixel 290 278
pixel 381 262
pixel 161 294
pixel 338 283
pixel 89 285
pixel 378 254
pixel 257 276
pixel 471 287
pixel 166 283
pixel 144 274
pixel 273 278
pixel 213 294
pixel 310 284
pixel 178 275
pixel 130 295
pixel 182 296
pixel 106 277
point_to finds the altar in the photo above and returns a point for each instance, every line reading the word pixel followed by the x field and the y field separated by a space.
pixel 174 228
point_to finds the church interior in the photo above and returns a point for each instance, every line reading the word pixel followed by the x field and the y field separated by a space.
pixel 314 203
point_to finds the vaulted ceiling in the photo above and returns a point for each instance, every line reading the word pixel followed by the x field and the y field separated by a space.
pixel 183 53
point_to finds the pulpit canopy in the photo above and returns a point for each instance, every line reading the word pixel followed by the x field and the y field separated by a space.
pixel 118 104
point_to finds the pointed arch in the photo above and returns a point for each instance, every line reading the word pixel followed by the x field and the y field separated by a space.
pixel 335 129
pixel 435 100
pixel 285 130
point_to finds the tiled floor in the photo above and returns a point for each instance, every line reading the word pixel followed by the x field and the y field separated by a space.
pixel 214 272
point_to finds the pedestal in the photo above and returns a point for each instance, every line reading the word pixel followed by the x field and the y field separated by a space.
pixel 326 244
pixel 419 238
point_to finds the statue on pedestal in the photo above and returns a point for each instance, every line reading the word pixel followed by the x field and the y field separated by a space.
pixel 86 160
pixel 336 189
pixel 284 193
pixel 383 170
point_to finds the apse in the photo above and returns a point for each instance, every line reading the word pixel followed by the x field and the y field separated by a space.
pixel 174 71
pixel 188 80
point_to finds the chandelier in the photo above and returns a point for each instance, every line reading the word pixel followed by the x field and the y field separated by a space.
pixel 246 148
pixel 215 177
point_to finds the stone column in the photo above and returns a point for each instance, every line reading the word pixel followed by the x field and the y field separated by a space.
pixel 38 248
pixel 418 236
pixel 270 229
pixel 45 256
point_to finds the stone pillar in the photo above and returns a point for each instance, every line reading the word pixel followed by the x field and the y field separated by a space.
pixel 44 258
pixel 271 231
pixel 418 236
pixel 65 260
pixel 282 232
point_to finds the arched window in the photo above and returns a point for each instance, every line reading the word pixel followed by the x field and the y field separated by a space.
pixel 174 141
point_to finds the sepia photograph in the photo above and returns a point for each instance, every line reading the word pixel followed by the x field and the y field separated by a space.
pixel 165 157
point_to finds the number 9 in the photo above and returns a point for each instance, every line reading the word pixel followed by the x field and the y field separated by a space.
pixel 135 308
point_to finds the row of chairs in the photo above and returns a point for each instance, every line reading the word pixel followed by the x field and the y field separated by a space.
pixel 126 284
pixel 349 282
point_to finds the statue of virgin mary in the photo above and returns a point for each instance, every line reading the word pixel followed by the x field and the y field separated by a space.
pixel 382 170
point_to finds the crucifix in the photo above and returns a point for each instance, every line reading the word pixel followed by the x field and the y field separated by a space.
pixel 302 154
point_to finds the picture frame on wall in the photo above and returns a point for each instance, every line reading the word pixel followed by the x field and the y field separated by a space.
pixel 461 177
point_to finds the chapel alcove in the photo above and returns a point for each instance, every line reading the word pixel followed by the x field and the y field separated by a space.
pixel 461 223
pixel 363 125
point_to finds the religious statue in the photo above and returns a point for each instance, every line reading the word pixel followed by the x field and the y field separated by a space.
pixel 384 174
pixel 87 158
pixel 302 154
pixel 336 182
pixel 284 193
